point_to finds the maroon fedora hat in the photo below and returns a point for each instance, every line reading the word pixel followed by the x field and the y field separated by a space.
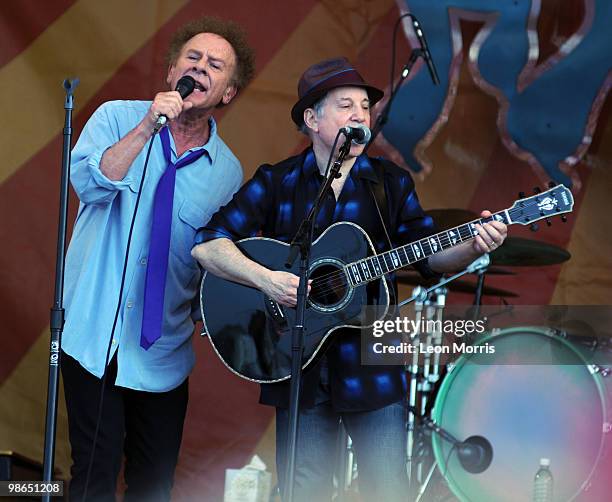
pixel 324 76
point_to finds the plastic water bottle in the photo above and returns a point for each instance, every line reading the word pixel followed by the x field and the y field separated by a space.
pixel 543 483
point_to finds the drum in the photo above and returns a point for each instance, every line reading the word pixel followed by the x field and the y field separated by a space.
pixel 527 411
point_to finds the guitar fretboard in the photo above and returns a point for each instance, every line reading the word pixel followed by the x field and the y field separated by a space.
pixel 374 267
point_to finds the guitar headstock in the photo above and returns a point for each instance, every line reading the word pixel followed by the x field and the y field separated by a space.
pixel 554 201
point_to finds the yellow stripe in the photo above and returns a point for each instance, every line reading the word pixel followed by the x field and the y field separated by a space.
pixel 23 398
pixel 92 39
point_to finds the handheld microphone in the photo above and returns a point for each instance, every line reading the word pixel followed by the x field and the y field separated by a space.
pixel 359 134
pixel 425 48
pixel 185 87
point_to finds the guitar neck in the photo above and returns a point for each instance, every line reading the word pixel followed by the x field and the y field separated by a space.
pixel 555 201
pixel 374 267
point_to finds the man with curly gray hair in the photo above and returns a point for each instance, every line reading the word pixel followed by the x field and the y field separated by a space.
pixel 130 278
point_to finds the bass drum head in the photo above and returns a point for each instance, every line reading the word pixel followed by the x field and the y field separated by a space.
pixel 527 412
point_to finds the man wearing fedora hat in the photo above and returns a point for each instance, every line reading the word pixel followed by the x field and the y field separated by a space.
pixel 368 399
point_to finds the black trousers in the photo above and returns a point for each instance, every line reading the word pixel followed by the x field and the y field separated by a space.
pixel 146 427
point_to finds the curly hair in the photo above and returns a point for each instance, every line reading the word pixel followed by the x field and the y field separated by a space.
pixel 230 31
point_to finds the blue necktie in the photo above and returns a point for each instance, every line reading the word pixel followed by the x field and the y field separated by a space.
pixel 157 265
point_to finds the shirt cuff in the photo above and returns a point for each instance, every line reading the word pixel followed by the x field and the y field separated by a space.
pixel 93 164
pixel 206 234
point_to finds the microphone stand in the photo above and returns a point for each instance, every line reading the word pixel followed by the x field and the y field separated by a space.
pixel 383 117
pixel 57 311
pixel 302 244
pixel 475 453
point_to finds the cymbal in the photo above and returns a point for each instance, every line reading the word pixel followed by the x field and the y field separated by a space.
pixel 516 251
pixel 458 285
pixel 450 218
pixel 499 271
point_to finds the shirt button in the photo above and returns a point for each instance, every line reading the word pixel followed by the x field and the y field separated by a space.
pixel 143 261
pixel 114 342
pixel 129 304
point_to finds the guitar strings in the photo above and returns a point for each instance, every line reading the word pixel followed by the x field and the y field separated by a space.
pixel 328 282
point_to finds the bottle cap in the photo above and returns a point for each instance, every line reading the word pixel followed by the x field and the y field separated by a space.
pixel 545 462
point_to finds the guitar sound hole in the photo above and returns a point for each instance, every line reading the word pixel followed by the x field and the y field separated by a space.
pixel 330 286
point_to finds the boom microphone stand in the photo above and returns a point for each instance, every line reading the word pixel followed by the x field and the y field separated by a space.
pixel 415 54
pixel 302 243
pixel 57 311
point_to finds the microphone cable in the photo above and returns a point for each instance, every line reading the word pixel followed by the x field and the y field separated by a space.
pixel 118 309
pixel 184 87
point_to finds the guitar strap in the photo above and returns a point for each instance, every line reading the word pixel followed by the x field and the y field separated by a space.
pixel 380 198
pixel 377 189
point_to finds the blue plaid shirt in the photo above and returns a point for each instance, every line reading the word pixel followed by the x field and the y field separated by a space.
pixel 273 203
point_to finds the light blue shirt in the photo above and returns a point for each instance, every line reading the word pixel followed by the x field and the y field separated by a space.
pixel 95 257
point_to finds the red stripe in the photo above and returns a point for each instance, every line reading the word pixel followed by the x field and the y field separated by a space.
pixel 23 21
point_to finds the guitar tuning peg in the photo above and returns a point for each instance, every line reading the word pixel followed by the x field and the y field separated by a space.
pixel 521 195
pixel 537 190
pixel 548 222
pixel 534 227
pixel 551 184
pixel 564 218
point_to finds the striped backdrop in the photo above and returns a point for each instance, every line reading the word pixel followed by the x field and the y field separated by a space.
pixel 470 155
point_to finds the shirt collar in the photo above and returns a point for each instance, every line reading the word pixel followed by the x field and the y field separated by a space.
pixel 361 169
pixel 211 147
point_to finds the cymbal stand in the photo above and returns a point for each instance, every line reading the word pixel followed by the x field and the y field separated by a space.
pixel 478 264
pixel 431 363
pixel 425 484
pixel 420 296
pixel 424 384
pixel 345 464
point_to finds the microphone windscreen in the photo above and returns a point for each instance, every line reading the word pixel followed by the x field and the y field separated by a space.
pixel 185 86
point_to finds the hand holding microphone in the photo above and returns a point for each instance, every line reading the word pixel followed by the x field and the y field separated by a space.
pixel 169 102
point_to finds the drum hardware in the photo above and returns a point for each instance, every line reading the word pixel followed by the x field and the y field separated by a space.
pixel 478 264
pixel 429 304
pixel 345 465
pixel 562 411
pixel 425 484
pixel 431 364
pixel 596 369
pixel 457 286
pixel 475 454
pixel 517 251
pixel 419 296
